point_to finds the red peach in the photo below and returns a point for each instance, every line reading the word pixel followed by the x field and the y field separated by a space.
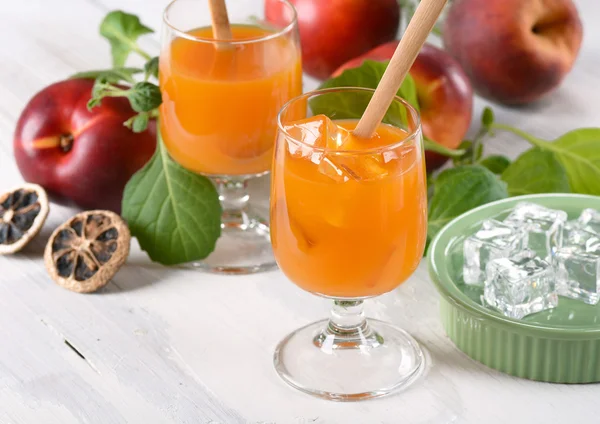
pixel 444 92
pixel 514 51
pixel 77 154
pixel 334 31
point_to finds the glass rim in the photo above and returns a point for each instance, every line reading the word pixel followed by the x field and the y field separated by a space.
pixel 183 34
pixel 410 137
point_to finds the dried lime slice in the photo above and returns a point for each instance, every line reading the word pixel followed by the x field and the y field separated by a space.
pixel 85 252
pixel 22 215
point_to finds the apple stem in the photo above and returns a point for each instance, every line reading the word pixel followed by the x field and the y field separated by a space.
pixel 66 142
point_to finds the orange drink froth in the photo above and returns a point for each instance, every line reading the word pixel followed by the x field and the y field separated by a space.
pixel 220 106
pixel 349 217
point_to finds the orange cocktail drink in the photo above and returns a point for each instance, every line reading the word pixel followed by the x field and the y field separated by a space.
pixel 348 215
pixel 218 118
pixel 220 102
pixel 349 222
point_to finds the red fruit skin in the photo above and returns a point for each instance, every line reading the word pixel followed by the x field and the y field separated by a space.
pixel 104 153
pixel 444 92
pixel 514 51
pixel 334 31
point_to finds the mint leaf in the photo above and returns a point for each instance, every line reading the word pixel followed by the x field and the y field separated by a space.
pixel 579 152
pixel 174 213
pixel 122 31
pixel 487 117
pixel 495 163
pixel 144 96
pixel 138 123
pixel 368 75
pixel 151 68
pixel 115 75
pixel 458 190
pixel 536 171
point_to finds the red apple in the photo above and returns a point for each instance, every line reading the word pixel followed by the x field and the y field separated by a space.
pixel 77 154
pixel 334 31
pixel 444 92
pixel 514 51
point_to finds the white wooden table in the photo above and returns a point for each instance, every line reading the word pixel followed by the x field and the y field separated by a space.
pixel 159 345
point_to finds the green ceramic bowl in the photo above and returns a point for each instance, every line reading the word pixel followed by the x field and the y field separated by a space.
pixel 561 345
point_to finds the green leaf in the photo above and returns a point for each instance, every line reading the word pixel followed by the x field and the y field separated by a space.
pixel 368 75
pixel 536 171
pixel 458 190
pixel 138 123
pixel 115 75
pixel 122 31
pixel 151 68
pixel 487 117
pixel 579 153
pixel 144 96
pixel 434 146
pixel 495 163
pixel 174 213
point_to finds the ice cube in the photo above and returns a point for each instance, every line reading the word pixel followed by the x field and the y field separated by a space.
pixel 344 167
pixel 543 225
pixel 316 131
pixel 590 220
pixel 331 167
pixel 520 285
pixel 311 135
pixel 494 240
pixel 577 265
pixel 576 236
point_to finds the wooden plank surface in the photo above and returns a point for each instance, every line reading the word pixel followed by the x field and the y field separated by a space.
pixel 165 345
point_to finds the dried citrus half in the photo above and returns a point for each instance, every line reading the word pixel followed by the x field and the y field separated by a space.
pixel 85 252
pixel 22 215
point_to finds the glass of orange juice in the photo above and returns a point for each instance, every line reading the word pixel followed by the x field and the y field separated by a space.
pixel 348 222
pixel 219 112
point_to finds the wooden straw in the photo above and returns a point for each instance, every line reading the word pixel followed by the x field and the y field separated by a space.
pixel 413 39
pixel 220 22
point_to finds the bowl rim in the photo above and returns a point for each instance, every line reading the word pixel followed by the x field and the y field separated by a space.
pixel 446 286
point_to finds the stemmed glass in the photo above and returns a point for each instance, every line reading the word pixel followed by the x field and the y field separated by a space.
pixel 220 104
pixel 348 225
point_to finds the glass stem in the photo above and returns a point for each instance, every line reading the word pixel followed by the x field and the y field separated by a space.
pixel 234 197
pixel 347 328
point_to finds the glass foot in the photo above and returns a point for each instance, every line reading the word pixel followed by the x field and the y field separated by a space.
pixel 245 244
pixel 243 248
pixel 374 361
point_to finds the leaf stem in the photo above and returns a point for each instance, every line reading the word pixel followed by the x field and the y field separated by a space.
pixel 483 131
pixel 115 93
pixel 538 142
pixel 136 48
pixel 436 147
